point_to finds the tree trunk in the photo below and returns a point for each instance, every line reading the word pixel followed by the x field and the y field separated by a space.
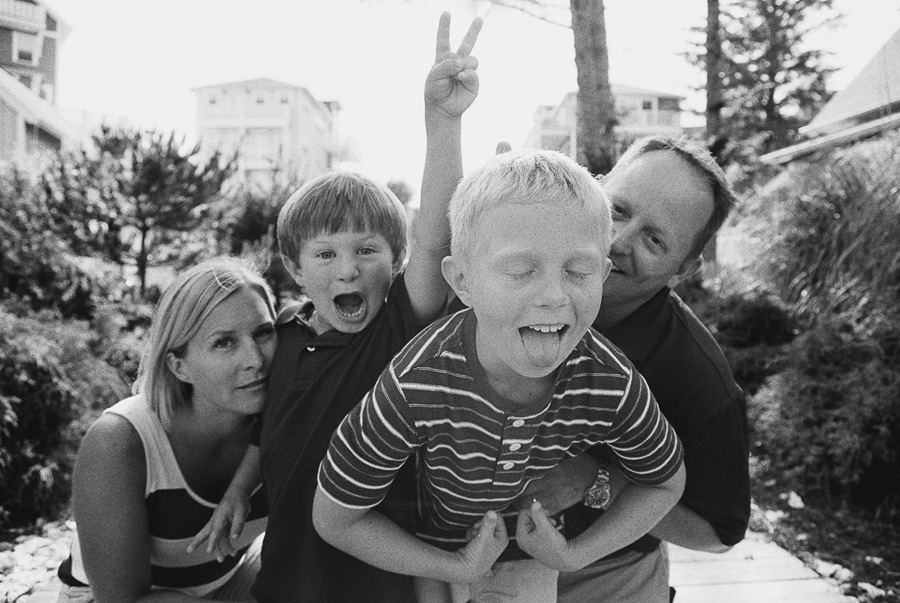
pixel 714 100
pixel 596 108
pixel 716 139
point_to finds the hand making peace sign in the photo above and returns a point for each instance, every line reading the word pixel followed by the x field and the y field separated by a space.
pixel 452 83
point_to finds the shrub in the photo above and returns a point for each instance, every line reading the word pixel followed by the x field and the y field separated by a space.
pixel 830 420
pixel 51 386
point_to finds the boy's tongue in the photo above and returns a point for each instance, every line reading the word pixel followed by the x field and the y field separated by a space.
pixel 542 348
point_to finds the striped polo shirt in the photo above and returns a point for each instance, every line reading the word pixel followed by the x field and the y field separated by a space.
pixel 175 514
pixel 477 451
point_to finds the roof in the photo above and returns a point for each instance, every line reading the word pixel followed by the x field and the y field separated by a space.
pixel 626 90
pixel 876 87
pixel 260 82
pixel 36 110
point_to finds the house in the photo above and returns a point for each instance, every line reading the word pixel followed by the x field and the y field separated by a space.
pixel 276 128
pixel 640 112
pixel 30 36
pixel 868 106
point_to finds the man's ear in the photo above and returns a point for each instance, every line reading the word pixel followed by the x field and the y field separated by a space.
pixel 176 365
pixel 689 268
pixel 454 271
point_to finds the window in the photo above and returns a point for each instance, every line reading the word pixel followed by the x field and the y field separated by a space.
pixel 668 104
pixel 647 105
pixel 212 100
pixel 26 48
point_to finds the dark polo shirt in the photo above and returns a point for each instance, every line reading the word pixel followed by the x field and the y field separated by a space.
pixel 314 382
pixel 695 390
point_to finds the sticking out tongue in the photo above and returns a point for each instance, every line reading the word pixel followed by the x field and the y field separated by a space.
pixel 348 304
pixel 542 348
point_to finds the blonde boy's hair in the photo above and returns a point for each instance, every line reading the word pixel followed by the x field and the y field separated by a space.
pixel 524 178
pixel 340 202
pixel 183 307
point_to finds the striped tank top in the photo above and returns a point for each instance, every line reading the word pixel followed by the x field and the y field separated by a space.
pixel 175 514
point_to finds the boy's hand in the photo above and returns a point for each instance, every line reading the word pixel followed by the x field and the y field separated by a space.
pixel 488 540
pixel 230 512
pixel 536 536
pixel 452 83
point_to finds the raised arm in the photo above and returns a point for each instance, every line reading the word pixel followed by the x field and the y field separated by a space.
pixel 450 88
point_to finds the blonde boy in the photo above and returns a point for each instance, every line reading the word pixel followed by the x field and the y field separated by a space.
pixel 496 395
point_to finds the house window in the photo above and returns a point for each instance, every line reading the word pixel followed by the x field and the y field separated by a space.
pixel 647 105
pixel 668 104
pixel 25 48
pixel 212 100
pixel 284 100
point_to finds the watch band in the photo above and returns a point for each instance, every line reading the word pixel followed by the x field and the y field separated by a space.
pixel 598 494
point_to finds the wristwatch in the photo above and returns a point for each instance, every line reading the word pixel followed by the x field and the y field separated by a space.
pixel 597 495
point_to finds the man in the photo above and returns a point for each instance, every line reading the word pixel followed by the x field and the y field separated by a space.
pixel 668 198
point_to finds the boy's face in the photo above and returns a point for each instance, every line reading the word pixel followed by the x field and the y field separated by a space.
pixel 535 282
pixel 347 276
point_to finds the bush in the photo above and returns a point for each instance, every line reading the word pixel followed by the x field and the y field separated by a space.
pixel 52 385
pixel 830 420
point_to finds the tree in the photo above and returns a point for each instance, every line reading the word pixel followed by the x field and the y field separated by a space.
pixel 596 106
pixel 713 61
pixel 151 190
pixel 768 82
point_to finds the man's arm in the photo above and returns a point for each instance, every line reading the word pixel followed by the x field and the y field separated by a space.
pixel 450 88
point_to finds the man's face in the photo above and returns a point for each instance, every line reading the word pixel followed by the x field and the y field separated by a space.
pixel 535 281
pixel 660 203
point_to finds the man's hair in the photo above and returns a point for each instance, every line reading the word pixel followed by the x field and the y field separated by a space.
pixel 703 163
pixel 340 202
pixel 523 178
pixel 183 307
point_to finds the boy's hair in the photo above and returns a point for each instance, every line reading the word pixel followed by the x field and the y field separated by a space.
pixel 183 307
pixel 340 202
pixel 525 178
pixel 703 163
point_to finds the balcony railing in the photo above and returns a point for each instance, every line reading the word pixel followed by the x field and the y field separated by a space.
pixel 22 16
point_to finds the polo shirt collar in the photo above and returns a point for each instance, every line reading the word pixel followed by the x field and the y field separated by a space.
pixel 637 334
pixel 331 337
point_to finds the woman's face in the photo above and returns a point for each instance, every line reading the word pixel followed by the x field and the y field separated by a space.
pixel 227 361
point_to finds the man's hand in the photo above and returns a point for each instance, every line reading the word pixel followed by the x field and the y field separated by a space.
pixel 452 83
pixel 561 487
pixel 488 540
pixel 536 536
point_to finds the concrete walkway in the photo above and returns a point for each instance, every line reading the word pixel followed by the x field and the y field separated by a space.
pixel 756 570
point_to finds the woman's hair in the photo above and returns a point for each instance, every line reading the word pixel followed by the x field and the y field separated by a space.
pixel 183 307
pixel 524 178
pixel 341 202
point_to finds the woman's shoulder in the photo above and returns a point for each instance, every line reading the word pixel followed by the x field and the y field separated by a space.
pixel 114 434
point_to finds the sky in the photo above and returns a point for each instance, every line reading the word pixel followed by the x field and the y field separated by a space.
pixel 140 59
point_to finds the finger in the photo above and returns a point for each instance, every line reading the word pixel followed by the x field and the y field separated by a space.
pixel 443 36
pixel 524 523
pixel 199 538
pixel 468 43
pixel 500 529
pixel 237 526
pixel 216 533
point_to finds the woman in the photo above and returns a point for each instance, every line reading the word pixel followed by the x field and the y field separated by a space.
pixel 151 469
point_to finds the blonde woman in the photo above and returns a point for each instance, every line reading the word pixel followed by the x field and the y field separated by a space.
pixel 152 468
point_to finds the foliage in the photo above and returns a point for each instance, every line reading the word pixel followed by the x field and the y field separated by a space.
pixel 770 82
pixel 135 196
pixel 840 396
pixel 402 189
pixel 835 247
pixel 51 381
pixel 36 268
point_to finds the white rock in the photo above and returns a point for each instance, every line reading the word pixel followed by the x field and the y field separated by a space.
pixel 874 560
pixel 871 590
pixel 843 575
pixel 774 516
pixel 823 568
pixel 794 501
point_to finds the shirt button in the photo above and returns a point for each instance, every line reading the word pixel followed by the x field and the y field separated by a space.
pixel 311 349
pixel 515 446
pixel 508 466
pixel 518 422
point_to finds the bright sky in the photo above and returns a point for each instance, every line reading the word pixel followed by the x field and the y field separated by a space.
pixel 140 59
